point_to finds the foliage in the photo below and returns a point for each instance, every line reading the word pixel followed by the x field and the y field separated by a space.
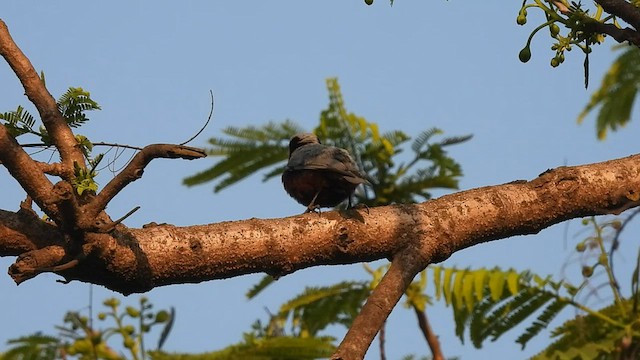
pixel 487 303
pixel 34 347
pixel 376 155
pixel 72 105
pixel 318 307
pixel 590 337
pixel 79 339
pixel 273 348
pixel 616 94
pixel 572 16
pixel 251 149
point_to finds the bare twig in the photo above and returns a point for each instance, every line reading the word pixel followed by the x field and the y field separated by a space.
pixel 381 336
pixel 134 171
pixel 205 124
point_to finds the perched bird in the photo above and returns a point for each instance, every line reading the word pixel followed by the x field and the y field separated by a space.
pixel 319 175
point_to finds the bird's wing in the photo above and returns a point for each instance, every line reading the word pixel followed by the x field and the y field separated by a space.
pixel 326 158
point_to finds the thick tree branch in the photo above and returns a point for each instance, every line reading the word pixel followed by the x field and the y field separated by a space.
pixel 60 133
pixel 375 311
pixel 134 170
pixel 136 260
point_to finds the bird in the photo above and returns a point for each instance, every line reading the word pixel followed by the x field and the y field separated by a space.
pixel 319 175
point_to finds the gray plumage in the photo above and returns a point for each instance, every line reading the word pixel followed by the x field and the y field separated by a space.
pixel 318 175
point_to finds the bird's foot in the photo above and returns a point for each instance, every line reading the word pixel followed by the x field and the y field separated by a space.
pixel 313 209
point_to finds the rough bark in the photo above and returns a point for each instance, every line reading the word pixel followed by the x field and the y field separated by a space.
pixel 136 260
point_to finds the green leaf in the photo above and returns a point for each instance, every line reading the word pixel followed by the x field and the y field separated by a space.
pixel 261 285
pixel 616 93
pixel 73 105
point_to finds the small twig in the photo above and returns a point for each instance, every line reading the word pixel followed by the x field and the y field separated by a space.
pixel 205 124
pixel 429 335
pixel 112 225
pixel 381 336
pixel 134 171
pixel 616 242
pixel 100 143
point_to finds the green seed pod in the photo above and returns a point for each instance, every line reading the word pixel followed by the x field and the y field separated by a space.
pixel 616 224
pixel 521 19
pixel 162 316
pixel 128 329
pixel 133 312
pixel 368 2
pixel 129 343
pixel 96 339
pixel 581 247
pixel 587 271
pixel 555 62
pixel 102 316
pixel 602 259
pixel 525 54
pixel 112 303
pixel 554 29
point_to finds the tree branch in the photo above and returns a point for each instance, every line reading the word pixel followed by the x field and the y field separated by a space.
pixel 375 311
pixel 623 10
pixel 27 173
pixel 136 260
pixel 429 335
pixel 134 170
pixel 57 128
pixel 620 35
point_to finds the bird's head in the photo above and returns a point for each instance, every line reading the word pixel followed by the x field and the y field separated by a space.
pixel 301 140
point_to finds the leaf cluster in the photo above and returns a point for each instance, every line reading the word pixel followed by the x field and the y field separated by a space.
pixel 589 337
pixel 246 151
pixel 392 180
pixel 73 105
pixel 78 338
pixel 617 93
pixel 489 302
pixel 575 18
pixel 318 307
pixel 274 348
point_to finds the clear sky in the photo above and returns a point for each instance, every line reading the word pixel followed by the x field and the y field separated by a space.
pixel 450 64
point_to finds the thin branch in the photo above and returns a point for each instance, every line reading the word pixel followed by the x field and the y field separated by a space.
pixel 134 170
pixel 205 124
pixel 429 335
pixel 101 143
pixel 381 339
pixel 57 128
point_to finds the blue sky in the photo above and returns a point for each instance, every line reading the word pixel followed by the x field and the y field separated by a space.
pixel 450 64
